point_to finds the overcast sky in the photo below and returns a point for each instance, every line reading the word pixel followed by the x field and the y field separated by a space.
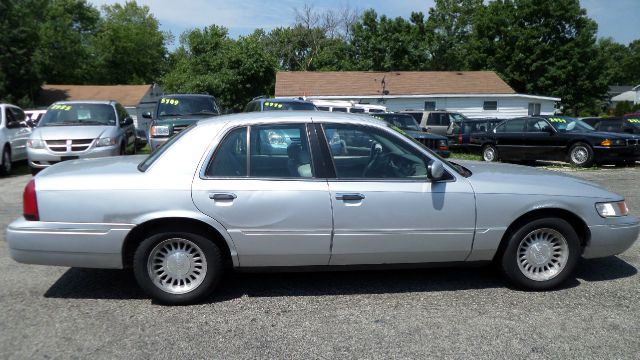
pixel 616 18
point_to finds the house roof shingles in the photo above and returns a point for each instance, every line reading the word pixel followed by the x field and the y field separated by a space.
pixel 361 83
pixel 127 95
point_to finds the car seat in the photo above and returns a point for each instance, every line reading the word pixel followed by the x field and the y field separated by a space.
pixel 299 162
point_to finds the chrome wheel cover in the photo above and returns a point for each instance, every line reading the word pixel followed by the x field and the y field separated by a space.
pixel 6 161
pixel 489 154
pixel 579 155
pixel 542 254
pixel 177 266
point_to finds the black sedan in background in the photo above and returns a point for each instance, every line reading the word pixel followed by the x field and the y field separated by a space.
pixel 627 124
pixel 559 138
pixel 409 125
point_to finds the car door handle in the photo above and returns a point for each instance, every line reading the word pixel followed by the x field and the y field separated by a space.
pixel 347 197
pixel 222 196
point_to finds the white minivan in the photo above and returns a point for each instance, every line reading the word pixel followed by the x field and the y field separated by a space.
pixel 14 133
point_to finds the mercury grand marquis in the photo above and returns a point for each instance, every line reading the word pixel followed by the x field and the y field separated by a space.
pixel 312 190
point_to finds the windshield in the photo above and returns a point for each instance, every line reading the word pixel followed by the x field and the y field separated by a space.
pixel 458 168
pixel 187 105
pixel 404 122
pixel 288 105
pixel 569 124
pixel 74 114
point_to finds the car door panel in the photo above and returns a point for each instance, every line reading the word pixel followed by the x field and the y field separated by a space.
pixel 402 222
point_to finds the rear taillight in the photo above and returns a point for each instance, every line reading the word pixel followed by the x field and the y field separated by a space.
pixel 459 138
pixel 30 202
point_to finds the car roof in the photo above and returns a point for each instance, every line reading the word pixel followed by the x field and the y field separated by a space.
pixel 272 117
pixel 187 95
pixel 283 100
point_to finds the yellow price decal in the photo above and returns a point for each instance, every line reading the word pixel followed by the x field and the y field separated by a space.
pixel 635 121
pixel 61 107
pixel 557 120
pixel 273 104
pixel 169 101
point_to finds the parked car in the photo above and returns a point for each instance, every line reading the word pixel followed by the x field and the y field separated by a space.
pixel 436 122
pixel 348 107
pixel 78 130
pixel 14 133
pixel 559 138
pixel 408 124
pixel 175 113
pixel 210 197
pixel 459 132
pixel 270 104
pixel 627 124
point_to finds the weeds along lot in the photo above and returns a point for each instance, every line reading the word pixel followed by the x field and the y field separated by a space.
pixel 56 312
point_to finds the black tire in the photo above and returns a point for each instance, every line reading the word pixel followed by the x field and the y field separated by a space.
pixel 489 153
pixel 520 253
pixel 5 162
pixel 581 154
pixel 123 149
pixel 203 286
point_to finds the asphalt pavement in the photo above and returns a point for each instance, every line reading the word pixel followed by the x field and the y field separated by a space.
pixel 55 312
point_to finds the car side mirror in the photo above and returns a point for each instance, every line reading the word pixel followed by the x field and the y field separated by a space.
pixel 146 115
pixel 13 124
pixel 435 170
pixel 31 123
pixel 127 121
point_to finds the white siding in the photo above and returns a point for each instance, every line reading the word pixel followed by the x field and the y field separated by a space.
pixel 508 106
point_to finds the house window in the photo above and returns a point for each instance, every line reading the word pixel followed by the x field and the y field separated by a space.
pixel 490 105
pixel 429 105
pixel 534 109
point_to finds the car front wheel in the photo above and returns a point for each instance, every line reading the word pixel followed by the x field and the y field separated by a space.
pixel 541 254
pixel 581 154
pixel 489 153
pixel 177 268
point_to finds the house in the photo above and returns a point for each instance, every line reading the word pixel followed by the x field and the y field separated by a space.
pixel 632 96
pixel 135 98
pixel 472 93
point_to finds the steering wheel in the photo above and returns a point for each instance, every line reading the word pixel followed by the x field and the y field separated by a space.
pixel 377 161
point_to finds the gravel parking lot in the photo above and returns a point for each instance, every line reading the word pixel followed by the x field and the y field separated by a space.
pixel 53 312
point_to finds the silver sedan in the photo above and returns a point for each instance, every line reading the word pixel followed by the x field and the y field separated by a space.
pixel 314 190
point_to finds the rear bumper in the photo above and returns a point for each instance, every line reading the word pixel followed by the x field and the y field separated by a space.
pixel 67 244
pixel 612 239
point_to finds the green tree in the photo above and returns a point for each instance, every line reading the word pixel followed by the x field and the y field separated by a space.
pixel 541 47
pixel 384 44
pixel 65 27
pixel 128 47
pixel 234 71
pixel 449 28
pixel 19 80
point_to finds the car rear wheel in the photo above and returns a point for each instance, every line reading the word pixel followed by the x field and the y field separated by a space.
pixel 5 166
pixel 177 268
pixel 489 153
pixel 581 154
pixel 541 254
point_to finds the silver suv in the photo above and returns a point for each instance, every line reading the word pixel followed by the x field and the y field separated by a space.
pixel 436 121
pixel 14 133
pixel 80 129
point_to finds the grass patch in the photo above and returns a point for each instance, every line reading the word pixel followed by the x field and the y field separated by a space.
pixel 465 156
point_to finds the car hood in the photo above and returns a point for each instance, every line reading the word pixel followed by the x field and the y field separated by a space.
pixel 180 120
pixel 424 135
pixel 497 178
pixel 70 132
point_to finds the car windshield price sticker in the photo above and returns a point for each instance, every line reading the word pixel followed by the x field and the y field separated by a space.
pixel 273 105
pixel 557 120
pixel 635 121
pixel 61 107
pixel 169 101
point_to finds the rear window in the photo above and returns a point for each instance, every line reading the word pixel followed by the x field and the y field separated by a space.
pixel 146 163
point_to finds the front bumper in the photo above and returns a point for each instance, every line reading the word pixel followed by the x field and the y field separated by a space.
pixel 67 244
pixel 156 142
pixel 623 153
pixel 612 238
pixel 42 158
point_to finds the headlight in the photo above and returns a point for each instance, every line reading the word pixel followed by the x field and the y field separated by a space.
pixel 35 143
pixel 612 209
pixel 106 141
pixel 617 142
pixel 159 130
